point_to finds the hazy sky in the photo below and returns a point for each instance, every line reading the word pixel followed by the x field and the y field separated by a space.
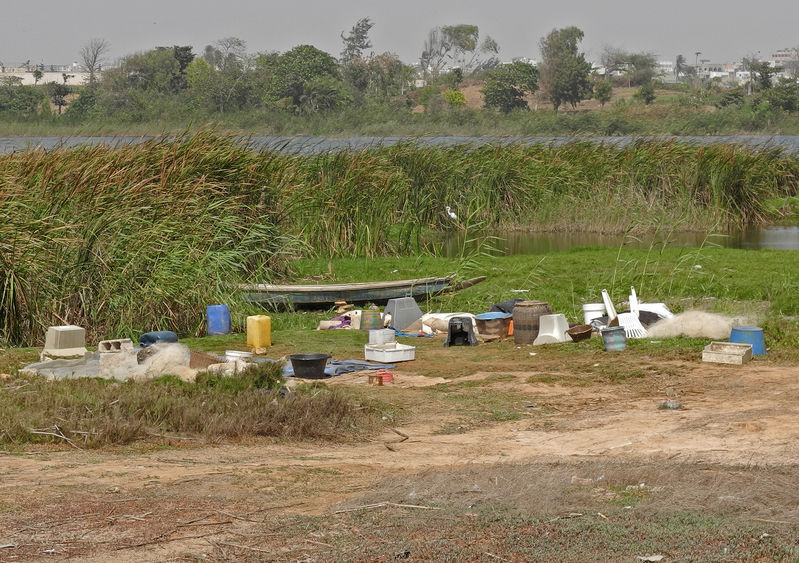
pixel 52 32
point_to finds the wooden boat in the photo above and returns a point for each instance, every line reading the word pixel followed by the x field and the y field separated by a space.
pixel 372 292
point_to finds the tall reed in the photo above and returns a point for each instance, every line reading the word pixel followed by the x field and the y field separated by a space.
pixel 131 238
pixel 143 236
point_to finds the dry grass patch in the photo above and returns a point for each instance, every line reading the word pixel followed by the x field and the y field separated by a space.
pixel 94 412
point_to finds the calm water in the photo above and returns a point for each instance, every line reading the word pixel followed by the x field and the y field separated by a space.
pixel 310 145
pixel 771 237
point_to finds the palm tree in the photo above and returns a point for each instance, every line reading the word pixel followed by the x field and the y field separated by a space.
pixel 679 66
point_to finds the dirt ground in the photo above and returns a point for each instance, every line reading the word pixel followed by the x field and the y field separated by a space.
pixel 233 501
pixel 474 98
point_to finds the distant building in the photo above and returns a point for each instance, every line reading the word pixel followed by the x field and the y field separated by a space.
pixel 782 56
pixel 50 73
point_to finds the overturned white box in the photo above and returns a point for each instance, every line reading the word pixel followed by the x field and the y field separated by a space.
pixel 727 353
pixel 64 342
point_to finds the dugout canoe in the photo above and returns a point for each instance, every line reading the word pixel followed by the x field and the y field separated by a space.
pixel 363 292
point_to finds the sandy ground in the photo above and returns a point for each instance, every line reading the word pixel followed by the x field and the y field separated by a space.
pixel 185 502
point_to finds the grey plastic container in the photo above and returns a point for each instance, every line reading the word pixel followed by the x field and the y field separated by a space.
pixel 404 312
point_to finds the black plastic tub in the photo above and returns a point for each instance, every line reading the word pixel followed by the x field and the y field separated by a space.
pixel 309 366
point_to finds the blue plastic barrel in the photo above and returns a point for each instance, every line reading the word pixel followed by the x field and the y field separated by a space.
pixel 149 338
pixel 218 319
pixel 749 335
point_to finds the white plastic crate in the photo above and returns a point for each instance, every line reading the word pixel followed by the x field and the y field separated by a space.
pixel 389 353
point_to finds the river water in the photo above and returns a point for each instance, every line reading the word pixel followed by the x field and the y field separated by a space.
pixel 521 242
pixel 311 145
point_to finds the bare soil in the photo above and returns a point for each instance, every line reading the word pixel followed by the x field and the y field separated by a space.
pixel 474 98
pixel 573 442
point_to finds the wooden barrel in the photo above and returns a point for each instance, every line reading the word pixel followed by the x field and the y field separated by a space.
pixel 525 320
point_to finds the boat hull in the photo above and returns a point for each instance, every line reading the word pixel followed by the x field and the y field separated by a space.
pixel 371 292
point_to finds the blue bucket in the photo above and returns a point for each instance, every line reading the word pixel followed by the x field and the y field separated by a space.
pixel 749 335
pixel 614 338
pixel 218 318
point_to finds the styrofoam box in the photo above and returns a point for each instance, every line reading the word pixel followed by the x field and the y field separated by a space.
pixel 727 353
pixel 382 336
pixel 389 353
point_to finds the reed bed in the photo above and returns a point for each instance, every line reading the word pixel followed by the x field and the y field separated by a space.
pixel 144 236
pixel 130 238
pixel 340 199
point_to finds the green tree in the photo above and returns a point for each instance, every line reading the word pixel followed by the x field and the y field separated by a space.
pixel 783 95
pixel 467 52
pixel 457 46
pixel 297 68
pixel 455 98
pixel 82 107
pixel 58 94
pixel 762 74
pixel 637 68
pixel 37 75
pixel 733 97
pixel 222 78
pixel 19 100
pixel 377 78
pixel 357 41
pixel 679 67
pixel 564 70
pixel 155 71
pixel 507 85
pixel 603 90
pixel 322 93
pixel 646 93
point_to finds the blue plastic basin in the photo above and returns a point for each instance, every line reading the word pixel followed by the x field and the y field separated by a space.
pixel 749 335
pixel 492 316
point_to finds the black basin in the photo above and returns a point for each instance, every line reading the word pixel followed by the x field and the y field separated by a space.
pixel 309 366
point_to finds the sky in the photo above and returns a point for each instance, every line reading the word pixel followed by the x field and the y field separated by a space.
pixel 52 32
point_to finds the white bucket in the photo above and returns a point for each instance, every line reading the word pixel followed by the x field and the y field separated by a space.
pixel 233 355
pixel 593 311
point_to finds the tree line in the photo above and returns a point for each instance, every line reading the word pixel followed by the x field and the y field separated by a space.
pixel 175 82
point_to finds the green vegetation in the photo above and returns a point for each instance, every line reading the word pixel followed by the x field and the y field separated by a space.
pixel 307 91
pixel 564 70
pixel 96 412
pixel 507 86
pixel 145 236
pixel 115 239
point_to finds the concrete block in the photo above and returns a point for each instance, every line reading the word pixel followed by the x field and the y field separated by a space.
pixel 68 341
pixel 117 346
pixel 117 359
pixel 64 337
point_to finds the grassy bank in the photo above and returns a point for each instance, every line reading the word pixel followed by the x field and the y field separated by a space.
pixel 671 114
pixel 138 237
